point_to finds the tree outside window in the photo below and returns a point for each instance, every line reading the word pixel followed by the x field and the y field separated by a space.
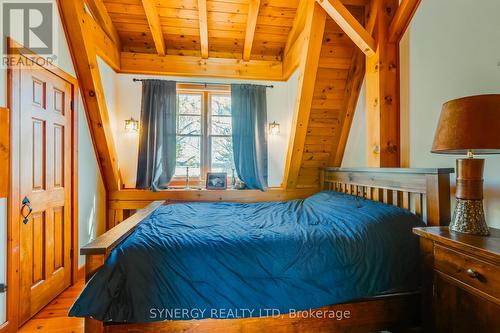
pixel 204 134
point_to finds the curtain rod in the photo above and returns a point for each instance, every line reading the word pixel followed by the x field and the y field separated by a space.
pixel 202 83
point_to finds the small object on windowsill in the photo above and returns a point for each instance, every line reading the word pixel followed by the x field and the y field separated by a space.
pixel 216 181
pixel 240 185
pixel 187 187
pixel 200 183
pixel 233 180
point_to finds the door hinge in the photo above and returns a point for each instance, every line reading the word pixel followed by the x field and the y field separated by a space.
pixel 3 288
pixel 71 253
pixel 72 105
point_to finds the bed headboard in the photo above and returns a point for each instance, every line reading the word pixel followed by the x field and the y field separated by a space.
pixel 425 192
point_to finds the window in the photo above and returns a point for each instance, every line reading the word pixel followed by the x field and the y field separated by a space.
pixel 189 134
pixel 204 141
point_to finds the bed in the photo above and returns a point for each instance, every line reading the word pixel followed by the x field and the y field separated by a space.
pixel 280 266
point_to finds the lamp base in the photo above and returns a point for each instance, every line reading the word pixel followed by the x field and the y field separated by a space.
pixel 469 218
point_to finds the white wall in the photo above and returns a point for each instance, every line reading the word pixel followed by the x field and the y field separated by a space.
pixel 280 108
pixel 91 196
pixel 454 52
pixel 123 100
pixel 91 191
pixel 110 85
pixel 355 154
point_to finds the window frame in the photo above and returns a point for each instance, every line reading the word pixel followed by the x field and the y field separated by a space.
pixel 206 91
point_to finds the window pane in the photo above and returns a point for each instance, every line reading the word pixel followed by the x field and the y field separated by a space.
pixel 222 155
pixel 221 125
pixel 190 125
pixel 189 104
pixel 188 155
pixel 221 105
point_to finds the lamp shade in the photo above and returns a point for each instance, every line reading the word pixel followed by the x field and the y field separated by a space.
pixel 469 123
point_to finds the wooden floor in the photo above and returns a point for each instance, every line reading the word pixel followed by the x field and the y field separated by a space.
pixel 54 317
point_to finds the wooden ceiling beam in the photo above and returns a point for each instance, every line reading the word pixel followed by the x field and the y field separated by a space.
pixel 297 27
pixel 350 25
pixel 294 56
pixel 402 19
pixel 253 13
pixel 83 53
pixel 175 65
pixel 309 60
pixel 105 48
pixel 101 16
pixel 202 16
pixel 155 26
pixel 372 15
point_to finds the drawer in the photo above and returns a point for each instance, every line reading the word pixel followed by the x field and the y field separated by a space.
pixel 469 270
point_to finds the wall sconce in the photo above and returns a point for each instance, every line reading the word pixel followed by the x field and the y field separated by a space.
pixel 274 128
pixel 131 125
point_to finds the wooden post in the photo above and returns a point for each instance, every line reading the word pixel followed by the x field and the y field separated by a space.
pixel 438 199
pixel 382 93
pixel 322 180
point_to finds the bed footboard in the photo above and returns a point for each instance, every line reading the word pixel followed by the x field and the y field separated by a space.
pixel 99 249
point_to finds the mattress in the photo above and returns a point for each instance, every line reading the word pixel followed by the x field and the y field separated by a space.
pixel 237 260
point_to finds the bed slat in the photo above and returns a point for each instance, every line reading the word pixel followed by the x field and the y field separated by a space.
pixel 405 200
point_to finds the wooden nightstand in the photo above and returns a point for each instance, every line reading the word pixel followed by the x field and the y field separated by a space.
pixel 461 281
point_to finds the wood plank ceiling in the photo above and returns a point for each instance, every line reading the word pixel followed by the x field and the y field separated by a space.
pixel 226 24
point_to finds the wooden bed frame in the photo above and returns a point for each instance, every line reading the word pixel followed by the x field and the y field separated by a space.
pixel 426 192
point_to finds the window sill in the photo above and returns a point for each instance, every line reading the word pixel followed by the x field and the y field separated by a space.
pixel 195 188
pixel 181 194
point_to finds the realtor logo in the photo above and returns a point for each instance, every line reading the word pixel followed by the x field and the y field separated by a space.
pixel 30 23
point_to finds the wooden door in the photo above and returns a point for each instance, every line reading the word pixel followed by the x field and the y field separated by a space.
pixel 45 181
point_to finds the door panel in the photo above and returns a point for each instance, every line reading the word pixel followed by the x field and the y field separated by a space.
pixel 58 237
pixel 58 156
pixel 38 149
pixel 45 179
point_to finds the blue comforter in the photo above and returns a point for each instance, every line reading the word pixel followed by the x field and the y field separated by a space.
pixel 232 260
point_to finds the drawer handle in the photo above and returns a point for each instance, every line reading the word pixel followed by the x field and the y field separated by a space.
pixel 473 274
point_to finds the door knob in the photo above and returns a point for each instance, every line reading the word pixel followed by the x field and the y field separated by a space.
pixel 26 205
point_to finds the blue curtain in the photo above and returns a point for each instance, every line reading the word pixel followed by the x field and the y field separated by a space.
pixel 157 137
pixel 249 117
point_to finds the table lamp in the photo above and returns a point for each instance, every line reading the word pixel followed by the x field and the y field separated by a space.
pixel 469 126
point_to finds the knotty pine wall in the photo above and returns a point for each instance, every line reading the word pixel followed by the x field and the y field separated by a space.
pixel 329 102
